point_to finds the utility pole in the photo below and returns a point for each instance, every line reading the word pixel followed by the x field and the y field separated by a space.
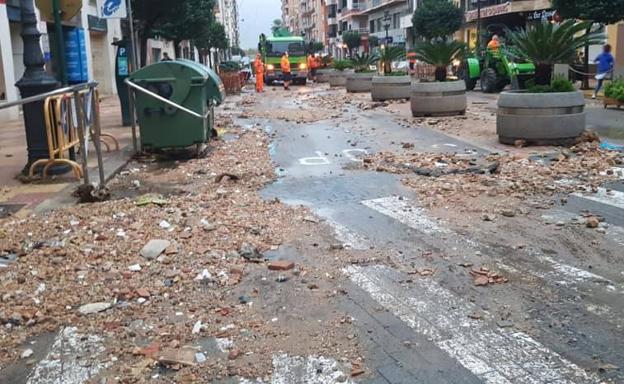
pixel 478 25
pixel 387 23
pixel 133 47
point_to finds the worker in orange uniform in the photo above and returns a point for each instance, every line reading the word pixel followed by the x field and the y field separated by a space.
pixel 411 58
pixel 285 67
pixel 311 68
pixel 259 67
pixel 494 46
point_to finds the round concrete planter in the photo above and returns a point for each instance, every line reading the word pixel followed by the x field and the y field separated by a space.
pixel 322 75
pixel 540 118
pixel 360 82
pixel 438 98
pixel 391 87
pixel 337 78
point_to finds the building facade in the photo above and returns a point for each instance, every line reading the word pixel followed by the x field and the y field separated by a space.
pixel 94 49
pixel 226 13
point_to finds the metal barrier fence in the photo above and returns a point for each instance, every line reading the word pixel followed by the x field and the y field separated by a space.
pixel 72 117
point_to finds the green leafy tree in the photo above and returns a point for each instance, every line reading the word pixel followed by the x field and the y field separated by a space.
pixel 440 54
pixel 373 41
pixel 546 44
pixel 277 25
pixel 388 55
pixel 437 19
pixel 597 11
pixel 352 39
pixel 212 37
pixel 316 46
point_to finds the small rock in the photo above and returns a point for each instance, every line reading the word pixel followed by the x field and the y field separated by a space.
pixel 336 247
pixel 91 308
pixel 27 353
pixel 281 265
pixel 310 219
pixel 197 327
pixel 142 292
pixel 184 356
pixel 135 268
pixel 164 224
pixel 281 279
pixel 200 358
pixel 234 354
pixel 508 213
pixel 592 222
pixel 488 217
pixel 251 253
pixel 154 248
pixel 505 323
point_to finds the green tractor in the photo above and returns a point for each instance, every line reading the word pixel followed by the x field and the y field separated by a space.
pixel 495 70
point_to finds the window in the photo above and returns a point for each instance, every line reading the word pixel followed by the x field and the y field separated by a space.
pixel 277 48
pixel 372 26
pixel 379 25
pixel 396 21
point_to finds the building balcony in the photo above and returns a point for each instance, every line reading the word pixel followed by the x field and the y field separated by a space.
pixel 361 31
pixel 332 21
pixel 377 5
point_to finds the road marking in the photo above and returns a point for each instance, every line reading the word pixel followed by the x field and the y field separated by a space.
pixel 347 237
pixel 309 370
pixel 496 356
pixel 73 358
pixel 613 198
pixel 320 160
pixel 349 154
pixel 404 211
pixel 400 209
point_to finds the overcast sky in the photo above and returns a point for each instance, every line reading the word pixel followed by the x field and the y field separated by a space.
pixel 256 17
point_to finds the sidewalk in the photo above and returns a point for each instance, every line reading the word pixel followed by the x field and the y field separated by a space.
pixel 16 196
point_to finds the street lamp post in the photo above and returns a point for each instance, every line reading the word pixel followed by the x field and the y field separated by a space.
pixel 387 23
pixel 34 82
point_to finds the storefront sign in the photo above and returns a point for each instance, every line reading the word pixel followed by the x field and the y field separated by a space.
pixel 97 24
pixel 545 14
pixel 69 9
pixel 112 9
pixel 494 10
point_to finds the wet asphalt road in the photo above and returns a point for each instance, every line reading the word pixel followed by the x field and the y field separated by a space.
pixel 559 320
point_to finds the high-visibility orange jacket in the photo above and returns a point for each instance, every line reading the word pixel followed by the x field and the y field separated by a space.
pixel 493 46
pixel 259 66
pixel 317 62
pixel 310 62
pixel 285 64
pixel 411 57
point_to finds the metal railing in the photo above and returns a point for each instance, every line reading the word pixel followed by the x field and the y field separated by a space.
pixel 86 115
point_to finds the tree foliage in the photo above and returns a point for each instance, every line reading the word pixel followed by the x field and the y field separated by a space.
pixel 388 55
pixel 437 19
pixel 352 39
pixel 546 44
pixel 440 54
pixel 172 20
pixel 598 11
pixel 276 26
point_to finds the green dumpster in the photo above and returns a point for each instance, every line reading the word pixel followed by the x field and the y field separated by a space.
pixel 185 83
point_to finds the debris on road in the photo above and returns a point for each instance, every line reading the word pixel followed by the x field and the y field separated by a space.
pixel 483 277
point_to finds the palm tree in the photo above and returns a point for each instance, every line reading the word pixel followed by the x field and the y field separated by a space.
pixel 363 62
pixel 546 44
pixel 440 54
pixel 390 55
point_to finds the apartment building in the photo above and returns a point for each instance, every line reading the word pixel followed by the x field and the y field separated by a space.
pixel 313 20
pixel 384 20
pixel 291 16
pixel 226 13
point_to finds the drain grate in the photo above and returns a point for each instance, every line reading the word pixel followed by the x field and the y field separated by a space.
pixel 9 209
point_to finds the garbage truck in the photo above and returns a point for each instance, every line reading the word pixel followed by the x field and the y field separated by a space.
pixel 272 48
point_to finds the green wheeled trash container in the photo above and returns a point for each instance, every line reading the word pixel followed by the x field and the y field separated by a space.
pixel 186 83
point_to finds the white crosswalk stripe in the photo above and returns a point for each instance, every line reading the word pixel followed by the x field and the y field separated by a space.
pixel 604 196
pixel 496 356
pixel 406 212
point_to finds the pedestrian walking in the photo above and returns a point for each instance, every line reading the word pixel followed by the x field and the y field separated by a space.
pixel 311 67
pixel 165 57
pixel 259 68
pixel 285 67
pixel 411 58
pixel 605 63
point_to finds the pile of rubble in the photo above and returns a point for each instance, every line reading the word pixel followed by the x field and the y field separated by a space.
pixel 177 257
pixel 442 178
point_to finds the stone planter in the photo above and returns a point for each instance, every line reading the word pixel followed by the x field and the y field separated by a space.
pixel 337 78
pixel 391 87
pixel 438 98
pixel 322 75
pixel 360 82
pixel 540 118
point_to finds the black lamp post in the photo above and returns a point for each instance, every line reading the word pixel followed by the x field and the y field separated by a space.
pixel 387 23
pixel 34 82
